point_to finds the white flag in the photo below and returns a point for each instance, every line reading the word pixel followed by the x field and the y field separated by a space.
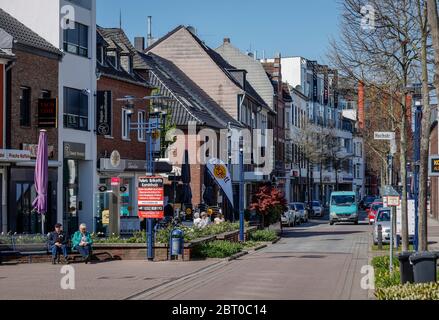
pixel 221 174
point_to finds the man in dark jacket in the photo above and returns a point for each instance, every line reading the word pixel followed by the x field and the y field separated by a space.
pixel 58 244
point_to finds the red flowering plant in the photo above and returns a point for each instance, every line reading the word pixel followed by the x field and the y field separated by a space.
pixel 270 203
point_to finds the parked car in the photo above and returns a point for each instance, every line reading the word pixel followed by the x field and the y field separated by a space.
pixel 383 220
pixel 317 209
pixel 366 202
pixel 373 211
pixel 301 213
pixel 289 218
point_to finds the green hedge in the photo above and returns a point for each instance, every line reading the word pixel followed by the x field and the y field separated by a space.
pixel 263 235
pixel 425 291
pixel 217 249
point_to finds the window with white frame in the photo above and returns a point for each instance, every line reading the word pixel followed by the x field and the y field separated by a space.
pixel 141 118
pixel 126 115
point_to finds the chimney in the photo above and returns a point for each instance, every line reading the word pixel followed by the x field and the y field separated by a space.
pixel 226 40
pixel 149 31
pixel 139 43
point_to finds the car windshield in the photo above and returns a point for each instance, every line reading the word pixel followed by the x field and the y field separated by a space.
pixel 316 204
pixel 384 216
pixel 375 207
pixel 370 199
pixel 343 200
pixel 300 206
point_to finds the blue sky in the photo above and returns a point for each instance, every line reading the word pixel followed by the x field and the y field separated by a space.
pixel 291 27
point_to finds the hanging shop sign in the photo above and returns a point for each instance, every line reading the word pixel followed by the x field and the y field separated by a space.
pixel 150 197
pixel 434 166
pixel 47 113
pixel 103 113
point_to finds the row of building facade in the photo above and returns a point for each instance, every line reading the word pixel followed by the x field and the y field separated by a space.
pixel 100 86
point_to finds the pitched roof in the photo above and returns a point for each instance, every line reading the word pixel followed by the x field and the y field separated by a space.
pixel 218 60
pixel 117 38
pixel 193 104
pixel 256 74
pixel 25 36
pixel 7 54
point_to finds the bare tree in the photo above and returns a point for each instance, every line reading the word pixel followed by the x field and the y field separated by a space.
pixel 422 19
pixel 375 47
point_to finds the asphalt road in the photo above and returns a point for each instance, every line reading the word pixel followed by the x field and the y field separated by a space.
pixel 313 261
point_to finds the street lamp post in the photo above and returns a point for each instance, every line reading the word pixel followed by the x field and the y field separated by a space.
pixel 417 154
pixel 148 128
pixel 241 190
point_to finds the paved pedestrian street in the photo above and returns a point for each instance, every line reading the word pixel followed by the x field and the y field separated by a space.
pixel 314 261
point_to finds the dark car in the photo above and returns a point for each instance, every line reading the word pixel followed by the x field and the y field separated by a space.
pixel 367 201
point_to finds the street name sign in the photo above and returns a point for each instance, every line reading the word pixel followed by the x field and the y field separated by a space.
pixel 384 136
pixel 150 197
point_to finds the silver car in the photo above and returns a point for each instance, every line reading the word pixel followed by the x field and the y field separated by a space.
pixel 383 220
pixel 317 209
pixel 301 212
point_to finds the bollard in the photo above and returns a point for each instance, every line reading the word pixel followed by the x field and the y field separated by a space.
pixel 380 237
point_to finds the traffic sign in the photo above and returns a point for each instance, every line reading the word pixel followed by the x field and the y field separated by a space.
pixel 392 201
pixel 150 197
pixel 384 136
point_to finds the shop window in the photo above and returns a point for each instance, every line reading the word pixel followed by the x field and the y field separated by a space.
pixel 25 107
pixel 75 109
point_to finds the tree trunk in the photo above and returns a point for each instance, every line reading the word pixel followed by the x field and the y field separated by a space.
pixel 425 145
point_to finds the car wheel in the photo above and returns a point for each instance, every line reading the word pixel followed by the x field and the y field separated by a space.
pixel 356 223
pixel 331 223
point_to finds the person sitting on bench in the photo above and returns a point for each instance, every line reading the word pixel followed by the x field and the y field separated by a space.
pixel 82 242
pixel 58 244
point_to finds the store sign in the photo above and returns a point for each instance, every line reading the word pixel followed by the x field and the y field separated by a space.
pixel 33 149
pixel 75 151
pixel 150 197
pixel 326 89
pixel 103 113
pixel 47 113
pixel 115 181
pixel 115 159
pixel 14 155
pixel 434 166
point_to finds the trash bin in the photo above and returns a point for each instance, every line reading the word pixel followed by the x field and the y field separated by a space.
pixel 424 267
pixel 176 243
pixel 406 268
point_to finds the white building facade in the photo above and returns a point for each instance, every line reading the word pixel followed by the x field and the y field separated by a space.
pixel 71 27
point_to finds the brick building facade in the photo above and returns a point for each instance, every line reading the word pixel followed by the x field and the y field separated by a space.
pixel 31 75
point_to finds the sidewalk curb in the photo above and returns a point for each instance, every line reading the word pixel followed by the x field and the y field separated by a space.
pixel 277 240
pixel 238 255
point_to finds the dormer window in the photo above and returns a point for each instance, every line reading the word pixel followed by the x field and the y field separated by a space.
pixel 126 62
pixel 113 59
pixel 100 54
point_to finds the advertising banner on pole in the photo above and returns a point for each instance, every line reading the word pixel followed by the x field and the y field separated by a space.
pixel 221 174
pixel 150 197
pixel 411 217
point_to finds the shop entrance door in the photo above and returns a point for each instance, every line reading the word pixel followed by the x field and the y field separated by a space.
pixel 71 195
